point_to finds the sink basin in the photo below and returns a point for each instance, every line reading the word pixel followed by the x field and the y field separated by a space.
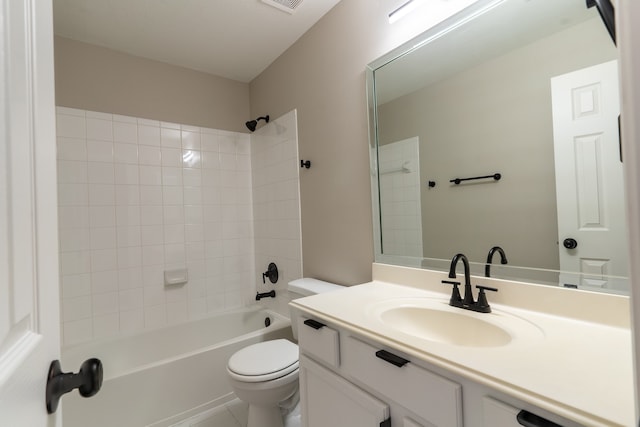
pixel 447 327
pixel 436 321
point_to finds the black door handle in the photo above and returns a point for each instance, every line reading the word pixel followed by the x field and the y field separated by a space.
pixel 88 381
pixel 570 243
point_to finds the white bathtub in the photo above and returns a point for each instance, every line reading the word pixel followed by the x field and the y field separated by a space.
pixel 161 376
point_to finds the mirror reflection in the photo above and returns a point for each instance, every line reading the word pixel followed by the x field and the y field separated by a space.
pixel 500 128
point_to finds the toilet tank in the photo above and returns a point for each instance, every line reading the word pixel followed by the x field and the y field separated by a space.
pixel 303 288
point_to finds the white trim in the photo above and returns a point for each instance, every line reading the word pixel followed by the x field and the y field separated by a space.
pixel 628 36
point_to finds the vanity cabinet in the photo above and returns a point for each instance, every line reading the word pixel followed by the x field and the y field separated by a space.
pixel 348 380
pixel 345 381
pixel 430 396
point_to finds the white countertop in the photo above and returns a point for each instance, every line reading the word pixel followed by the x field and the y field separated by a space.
pixel 576 368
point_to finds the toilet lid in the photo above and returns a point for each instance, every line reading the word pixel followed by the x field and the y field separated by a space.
pixel 264 361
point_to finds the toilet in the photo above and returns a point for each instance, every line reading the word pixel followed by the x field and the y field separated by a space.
pixel 265 375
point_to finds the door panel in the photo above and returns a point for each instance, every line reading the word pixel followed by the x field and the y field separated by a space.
pixel 29 303
pixel 589 176
pixel 329 400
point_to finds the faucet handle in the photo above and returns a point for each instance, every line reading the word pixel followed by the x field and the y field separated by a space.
pixel 456 299
pixel 482 305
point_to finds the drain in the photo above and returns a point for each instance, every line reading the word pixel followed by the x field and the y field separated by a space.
pixel 267 322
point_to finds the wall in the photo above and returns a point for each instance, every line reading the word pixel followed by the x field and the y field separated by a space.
pixel 506 135
pixel 138 197
pixel 276 206
pixel 323 76
pixel 94 78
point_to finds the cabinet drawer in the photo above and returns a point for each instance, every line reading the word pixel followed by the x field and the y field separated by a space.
pixel 499 414
pixel 319 341
pixel 436 399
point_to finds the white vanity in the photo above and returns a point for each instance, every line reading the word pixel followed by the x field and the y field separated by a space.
pixel 384 354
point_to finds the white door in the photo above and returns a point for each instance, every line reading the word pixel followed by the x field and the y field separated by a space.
pixel 589 176
pixel 29 304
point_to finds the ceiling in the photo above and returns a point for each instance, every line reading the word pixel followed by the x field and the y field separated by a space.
pixel 236 39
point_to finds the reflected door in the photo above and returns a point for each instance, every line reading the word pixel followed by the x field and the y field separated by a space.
pixel 589 177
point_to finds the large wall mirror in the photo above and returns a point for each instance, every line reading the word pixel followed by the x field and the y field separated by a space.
pixel 499 127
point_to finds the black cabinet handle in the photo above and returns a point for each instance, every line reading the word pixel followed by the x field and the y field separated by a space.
pixel 391 358
pixel 527 419
pixel 314 324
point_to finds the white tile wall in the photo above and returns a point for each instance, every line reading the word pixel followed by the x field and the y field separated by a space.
pixel 139 196
pixel 276 205
pixel 400 198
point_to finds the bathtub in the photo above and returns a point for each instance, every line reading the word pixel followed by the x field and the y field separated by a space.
pixel 161 376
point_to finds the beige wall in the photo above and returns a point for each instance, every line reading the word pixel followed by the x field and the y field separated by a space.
pixel 98 79
pixel 505 105
pixel 323 76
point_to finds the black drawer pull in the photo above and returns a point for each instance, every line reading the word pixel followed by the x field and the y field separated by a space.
pixel 527 419
pixel 391 358
pixel 314 324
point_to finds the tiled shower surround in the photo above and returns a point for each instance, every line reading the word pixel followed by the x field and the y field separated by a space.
pixel 137 197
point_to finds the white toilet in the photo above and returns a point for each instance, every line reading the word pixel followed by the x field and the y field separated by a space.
pixel 265 375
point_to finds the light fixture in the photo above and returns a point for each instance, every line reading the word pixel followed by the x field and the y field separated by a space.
pixel 403 10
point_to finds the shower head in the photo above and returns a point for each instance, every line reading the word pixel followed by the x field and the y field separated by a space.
pixel 251 124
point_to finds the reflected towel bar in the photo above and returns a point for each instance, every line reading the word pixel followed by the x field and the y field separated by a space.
pixel 495 176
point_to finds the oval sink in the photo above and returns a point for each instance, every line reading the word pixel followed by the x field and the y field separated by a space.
pixel 446 327
pixel 436 321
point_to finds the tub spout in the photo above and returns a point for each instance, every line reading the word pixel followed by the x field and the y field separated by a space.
pixel 271 294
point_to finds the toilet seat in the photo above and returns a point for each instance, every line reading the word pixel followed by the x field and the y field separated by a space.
pixel 264 361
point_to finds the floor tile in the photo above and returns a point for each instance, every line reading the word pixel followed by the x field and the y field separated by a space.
pixel 240 411
pixel 219 419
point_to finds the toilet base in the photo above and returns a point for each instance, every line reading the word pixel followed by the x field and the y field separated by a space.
pixel 265 416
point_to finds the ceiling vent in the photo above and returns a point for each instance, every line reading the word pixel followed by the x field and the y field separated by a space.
pixel 288 6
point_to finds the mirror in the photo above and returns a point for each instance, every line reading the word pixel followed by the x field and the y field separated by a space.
pixel 499 127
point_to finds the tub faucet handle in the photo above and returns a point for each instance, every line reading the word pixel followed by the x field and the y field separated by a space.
pixel 271 273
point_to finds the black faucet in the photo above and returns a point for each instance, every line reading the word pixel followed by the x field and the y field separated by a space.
pixel 493 250
pixel 467 303
pixel 468 294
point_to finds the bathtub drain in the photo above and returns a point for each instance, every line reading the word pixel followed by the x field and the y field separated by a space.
pixel 267 322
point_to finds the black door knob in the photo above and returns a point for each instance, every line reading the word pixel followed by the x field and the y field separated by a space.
pixel 570 243
pixel 88 381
